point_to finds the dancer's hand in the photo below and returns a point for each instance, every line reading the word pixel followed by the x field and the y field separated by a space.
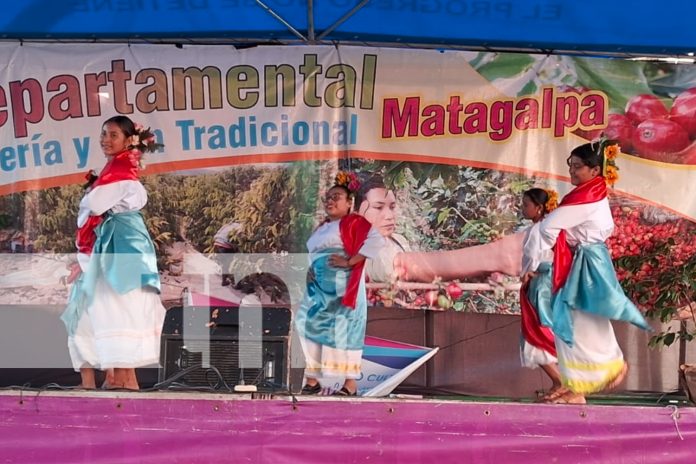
pixel 527 277
pixel 338 260
pixel 75 271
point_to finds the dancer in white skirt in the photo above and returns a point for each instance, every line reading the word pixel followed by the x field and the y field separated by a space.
pixel 537 344
pixel 114 315
pixel 586 292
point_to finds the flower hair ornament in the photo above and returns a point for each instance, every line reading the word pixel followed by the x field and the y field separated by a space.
pixel 610 149
pixel 552 202
pixel 348 180
pixel 143 141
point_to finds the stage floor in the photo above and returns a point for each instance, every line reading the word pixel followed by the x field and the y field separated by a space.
pixel 187 427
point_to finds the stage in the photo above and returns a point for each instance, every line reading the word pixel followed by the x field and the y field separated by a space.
pixel 187 427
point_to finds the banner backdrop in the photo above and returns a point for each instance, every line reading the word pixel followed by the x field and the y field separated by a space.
pixel 254 137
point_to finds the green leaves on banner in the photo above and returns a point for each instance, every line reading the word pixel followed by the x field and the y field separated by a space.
pixel 530 88
pixel 304 192
pixel 619 79
pixel 393 172
pixel 506 65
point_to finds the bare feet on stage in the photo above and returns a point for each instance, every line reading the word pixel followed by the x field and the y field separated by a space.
pixel 123 379
pixel 108 379
pixel 87 379
pixel 89 382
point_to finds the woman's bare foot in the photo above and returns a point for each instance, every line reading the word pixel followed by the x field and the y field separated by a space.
pixel 108 379
pixel 124 379
pixel 87 379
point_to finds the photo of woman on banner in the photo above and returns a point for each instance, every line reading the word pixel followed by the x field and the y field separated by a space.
pixel 586 292
pixel 398 262
pixel 537 344
pixel 114 314
pixel 332 318
pixel 378 205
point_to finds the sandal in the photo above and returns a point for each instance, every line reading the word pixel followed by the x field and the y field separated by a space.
pixel 311 389
pixel 554 393
pixel 344 392
pixel 569 398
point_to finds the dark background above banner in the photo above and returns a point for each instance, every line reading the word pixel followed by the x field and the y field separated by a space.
pixel 619 27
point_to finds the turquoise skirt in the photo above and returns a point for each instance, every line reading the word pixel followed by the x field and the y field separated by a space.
pixel 321 317
pixel 592 287
pixel 123 255
pixel 539 293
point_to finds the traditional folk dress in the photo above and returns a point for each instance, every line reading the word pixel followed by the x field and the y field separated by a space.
pixel 586 292
pixel 537 345
pixel 114 314
pixel 332 317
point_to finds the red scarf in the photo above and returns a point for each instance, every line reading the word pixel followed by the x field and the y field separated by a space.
pixel 123 166
pixel 532 330
pixel 353 229
pixel 591 191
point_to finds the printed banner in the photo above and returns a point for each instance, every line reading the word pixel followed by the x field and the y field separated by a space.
pixel 444 143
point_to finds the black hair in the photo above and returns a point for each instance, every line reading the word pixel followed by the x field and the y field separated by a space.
pixel 124 123
pixel 374 182
pixel 538 196
pixel 91 178
pixel 591 154
pixel 344 188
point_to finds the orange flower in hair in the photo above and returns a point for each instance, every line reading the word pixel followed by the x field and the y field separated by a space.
pixel 611 174
pixel 342 178
pixel 348 180
pixel 611 151
pixel 552 202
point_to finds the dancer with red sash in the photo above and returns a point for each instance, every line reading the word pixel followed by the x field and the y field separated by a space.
pixel 114 314
pixel 332 318
pixel 586 292
pixel 537 345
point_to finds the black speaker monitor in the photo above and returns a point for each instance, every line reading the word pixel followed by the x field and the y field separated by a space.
pixel 220 347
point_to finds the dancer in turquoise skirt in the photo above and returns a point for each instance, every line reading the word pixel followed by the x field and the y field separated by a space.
pixel 332 318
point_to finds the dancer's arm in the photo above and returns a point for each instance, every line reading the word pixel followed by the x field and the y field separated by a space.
pixel 374 242
pixel 564 217
pixel 541 239
pixel 105 197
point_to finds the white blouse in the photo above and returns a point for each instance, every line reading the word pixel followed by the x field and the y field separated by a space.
pixel 329 236
pixel 119 197
pixel 584 224
pixel 545 256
